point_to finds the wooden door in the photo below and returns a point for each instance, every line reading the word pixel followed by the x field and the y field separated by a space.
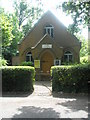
pixel 46 62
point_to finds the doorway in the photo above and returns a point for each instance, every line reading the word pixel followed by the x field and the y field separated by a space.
pixel 47 61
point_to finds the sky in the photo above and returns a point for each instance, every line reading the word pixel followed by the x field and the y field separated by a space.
pixel 47 5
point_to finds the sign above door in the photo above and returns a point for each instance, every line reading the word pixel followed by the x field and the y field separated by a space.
pixel 46 45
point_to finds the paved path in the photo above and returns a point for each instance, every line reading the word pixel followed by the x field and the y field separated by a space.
pixel 41 104
pixel 42 88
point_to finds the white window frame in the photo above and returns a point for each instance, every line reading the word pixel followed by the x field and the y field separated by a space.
pixel 57 61
pixel 68 55
pixel 50 29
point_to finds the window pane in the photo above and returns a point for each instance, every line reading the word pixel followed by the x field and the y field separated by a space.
pixel 70 58
pixel 27 58
pixel 51 32
pixel 32 59
pixel 57 62
pixel 66 58
pixel 48 31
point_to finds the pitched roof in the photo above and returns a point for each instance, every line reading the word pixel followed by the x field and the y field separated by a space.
pixel 35 25
pixel 48 12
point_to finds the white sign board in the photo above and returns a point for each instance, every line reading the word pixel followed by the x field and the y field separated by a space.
pixel 47 46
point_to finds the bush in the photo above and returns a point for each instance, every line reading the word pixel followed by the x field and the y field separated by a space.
pixel 84 59
pixel 27 64
pixel 17 79
pixel 3 62
pixel 71 79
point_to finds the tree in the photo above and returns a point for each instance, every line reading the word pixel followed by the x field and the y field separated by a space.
pixel 7 36
pixel 22 20
pixel 79 12
pixel 17 33
pixel 84 46
pixel 15 26
pixel 26 14
pixel 21 11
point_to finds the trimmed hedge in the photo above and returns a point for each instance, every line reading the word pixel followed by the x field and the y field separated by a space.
pixel 70 79
pixel 17 79
pixel 27 64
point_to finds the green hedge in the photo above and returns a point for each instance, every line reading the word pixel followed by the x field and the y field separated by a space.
pixel 17 79
pixel 27 64
pixel 70 79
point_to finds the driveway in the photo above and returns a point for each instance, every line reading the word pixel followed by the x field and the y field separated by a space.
pixel 42 104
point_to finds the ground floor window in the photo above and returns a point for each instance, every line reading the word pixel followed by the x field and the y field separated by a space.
pixel 57 62
pixel 29 57
pixel 68 57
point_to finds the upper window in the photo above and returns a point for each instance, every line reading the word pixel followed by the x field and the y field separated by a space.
pixel 68 56
pixel 29 57
pixel 49 30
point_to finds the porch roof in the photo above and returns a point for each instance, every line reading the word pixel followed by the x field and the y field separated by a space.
pixel 51 40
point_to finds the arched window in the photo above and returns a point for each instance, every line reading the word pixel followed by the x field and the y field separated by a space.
pixel 29 57
pixel 49 30
pixel 68 56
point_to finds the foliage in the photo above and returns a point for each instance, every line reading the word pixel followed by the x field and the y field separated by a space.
pixel 6 26
pixel 21 11
pixel 84 46
pixel 3 62
pixel 7 36
pixel 71 79
pixel 27 27
pixel 84 59
pixel 69 63
pixel 17 33
pixel 26 13
pixel 79 12
pixel 15 26
pixel 26 64
pixel 17 79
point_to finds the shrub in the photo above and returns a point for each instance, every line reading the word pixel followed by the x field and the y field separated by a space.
pixel 17 79
pixel 3 62
pixel 26 64
pixel 84 59
pixel 72 79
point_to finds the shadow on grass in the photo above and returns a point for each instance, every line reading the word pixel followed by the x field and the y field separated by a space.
pixel 16 94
